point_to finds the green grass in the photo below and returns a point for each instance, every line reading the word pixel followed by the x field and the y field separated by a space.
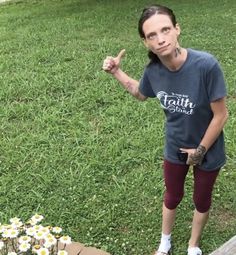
pixel 75 147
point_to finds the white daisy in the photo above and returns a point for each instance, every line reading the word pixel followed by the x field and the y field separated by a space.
pixel 47 245
pixel 50 241
pixel 16 224
pixel 56 230
pixel 49 235
pixel 32 223
pixel 30 231
pixel 62 252
pixel 43 251
pixel 24 239
pixel 10 233
pixel 5 233
pixel 15 219
pixel 38 228
pixel 39 235
pixel 23 247
pixel 45 230
pixel 36 248
pixel 4 228
pixel 13 233
pixel 37 218
pixel 65 240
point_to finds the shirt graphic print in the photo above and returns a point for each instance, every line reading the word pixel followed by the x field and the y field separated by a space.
pixel 176 103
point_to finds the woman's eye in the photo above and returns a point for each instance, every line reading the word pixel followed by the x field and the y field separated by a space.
pixel 151 36
pixel 166 29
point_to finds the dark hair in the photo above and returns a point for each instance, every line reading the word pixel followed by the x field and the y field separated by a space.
pixel 146 14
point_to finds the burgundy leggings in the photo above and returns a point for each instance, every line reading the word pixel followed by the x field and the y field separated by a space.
pixel 175 174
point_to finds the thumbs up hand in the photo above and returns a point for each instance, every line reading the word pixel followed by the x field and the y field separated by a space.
pixel 112 64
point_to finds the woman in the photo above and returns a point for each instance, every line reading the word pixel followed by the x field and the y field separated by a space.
pixel 191 89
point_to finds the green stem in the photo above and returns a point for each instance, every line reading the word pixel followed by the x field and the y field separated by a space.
pixel 13 245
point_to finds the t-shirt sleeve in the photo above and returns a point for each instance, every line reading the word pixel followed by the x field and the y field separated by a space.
pixel 216 87
pixel 145 87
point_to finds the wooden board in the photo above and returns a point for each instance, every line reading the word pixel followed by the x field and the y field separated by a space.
pixel 228 248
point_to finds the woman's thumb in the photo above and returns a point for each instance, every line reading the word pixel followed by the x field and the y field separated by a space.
pixel 120 55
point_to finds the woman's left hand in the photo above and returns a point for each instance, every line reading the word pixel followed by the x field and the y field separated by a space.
pixel 195 156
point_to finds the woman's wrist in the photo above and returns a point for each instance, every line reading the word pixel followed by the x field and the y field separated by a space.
pixel 201 149
pixel 197 157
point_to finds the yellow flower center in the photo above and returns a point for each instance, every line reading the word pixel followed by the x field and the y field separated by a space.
pixel 37 247
pixel 43 252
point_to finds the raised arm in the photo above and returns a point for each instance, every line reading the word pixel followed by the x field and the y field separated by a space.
pixel 112 65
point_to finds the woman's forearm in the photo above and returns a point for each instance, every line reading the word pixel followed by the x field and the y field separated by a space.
pixel 130 84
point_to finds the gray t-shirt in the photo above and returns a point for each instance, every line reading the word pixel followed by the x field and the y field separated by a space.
pixel 185 96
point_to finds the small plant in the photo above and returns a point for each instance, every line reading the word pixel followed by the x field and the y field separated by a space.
pixel 32 238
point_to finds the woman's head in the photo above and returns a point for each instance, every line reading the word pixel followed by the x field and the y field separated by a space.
pixel 152 10
pixel 159 30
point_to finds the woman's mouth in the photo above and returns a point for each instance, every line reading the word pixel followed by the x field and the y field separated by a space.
pixel 163 48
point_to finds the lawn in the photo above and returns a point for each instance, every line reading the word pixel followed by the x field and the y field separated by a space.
pixel 75 147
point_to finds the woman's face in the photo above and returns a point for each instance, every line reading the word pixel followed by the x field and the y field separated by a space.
pixel 161 36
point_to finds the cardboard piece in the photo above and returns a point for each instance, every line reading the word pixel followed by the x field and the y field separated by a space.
pixel 76 248
pixel 92 251
pixel 228 248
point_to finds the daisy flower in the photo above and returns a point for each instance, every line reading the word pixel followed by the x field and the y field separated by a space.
pixel 57 230
pixel 49 236
pixel 30 231
pixel 19 238
pixel 15 220
pixel 62 252
pixel 24 247
pixel 16 224
pixel 36 248
pixel 39 235
pixel 10 233
pixel 31 223
pixel 4 228
pixel 38 227
pixel 37 218
pixel 49 242
pixel 24 239
pixel 45 230
pixel 65 240
pixel 43 251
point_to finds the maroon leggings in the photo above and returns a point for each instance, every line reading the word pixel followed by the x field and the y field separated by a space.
pixel 175 174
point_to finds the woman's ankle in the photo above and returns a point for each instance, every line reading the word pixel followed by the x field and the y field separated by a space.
pixel 193 243
pixel 165 237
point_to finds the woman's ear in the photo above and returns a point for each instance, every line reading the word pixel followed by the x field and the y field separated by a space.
pixel 177 28
pixel 145 43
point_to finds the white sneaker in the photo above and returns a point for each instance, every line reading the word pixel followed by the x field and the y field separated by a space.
pixel 161 253
pixel 194 251
pixel 164 248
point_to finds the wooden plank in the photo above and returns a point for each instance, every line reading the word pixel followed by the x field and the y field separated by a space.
pixel 228 248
